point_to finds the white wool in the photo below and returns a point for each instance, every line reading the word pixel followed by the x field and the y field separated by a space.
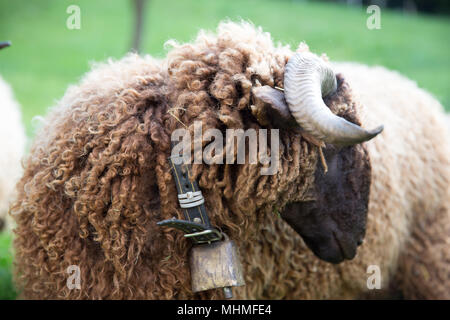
pixel 12 146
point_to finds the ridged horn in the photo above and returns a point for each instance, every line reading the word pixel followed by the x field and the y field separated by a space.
pixel 307 79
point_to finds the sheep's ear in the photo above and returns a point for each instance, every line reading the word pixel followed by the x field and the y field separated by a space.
pixel 278 110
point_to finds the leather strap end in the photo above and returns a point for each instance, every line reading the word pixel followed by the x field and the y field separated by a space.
pixel 196 231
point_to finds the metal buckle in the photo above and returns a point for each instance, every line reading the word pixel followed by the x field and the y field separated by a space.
pixel 190 199
pixel 205 232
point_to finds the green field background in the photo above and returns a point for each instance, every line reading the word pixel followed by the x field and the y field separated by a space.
pixel 46 56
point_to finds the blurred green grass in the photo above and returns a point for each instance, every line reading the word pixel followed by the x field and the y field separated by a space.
pixel 6 287
pixel 46 56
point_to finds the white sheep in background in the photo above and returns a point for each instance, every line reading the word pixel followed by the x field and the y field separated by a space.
pixel 12 142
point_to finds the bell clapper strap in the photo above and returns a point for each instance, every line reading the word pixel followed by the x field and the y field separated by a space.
pixel 197 225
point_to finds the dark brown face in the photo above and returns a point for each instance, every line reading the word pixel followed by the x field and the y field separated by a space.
pixel 334 225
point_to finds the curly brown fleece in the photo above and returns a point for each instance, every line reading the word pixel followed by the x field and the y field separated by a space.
pixel 97 180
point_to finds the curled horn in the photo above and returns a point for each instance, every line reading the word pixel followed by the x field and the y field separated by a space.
pixel 4 44
pixel 307 79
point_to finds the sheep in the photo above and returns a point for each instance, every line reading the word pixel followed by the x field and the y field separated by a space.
pixel 417 188
pixel 97 180
pixel 13 143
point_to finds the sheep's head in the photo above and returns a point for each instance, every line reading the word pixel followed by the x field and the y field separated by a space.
pixel 332 225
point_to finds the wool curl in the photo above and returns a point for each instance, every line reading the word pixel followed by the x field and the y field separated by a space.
pixel 97 179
